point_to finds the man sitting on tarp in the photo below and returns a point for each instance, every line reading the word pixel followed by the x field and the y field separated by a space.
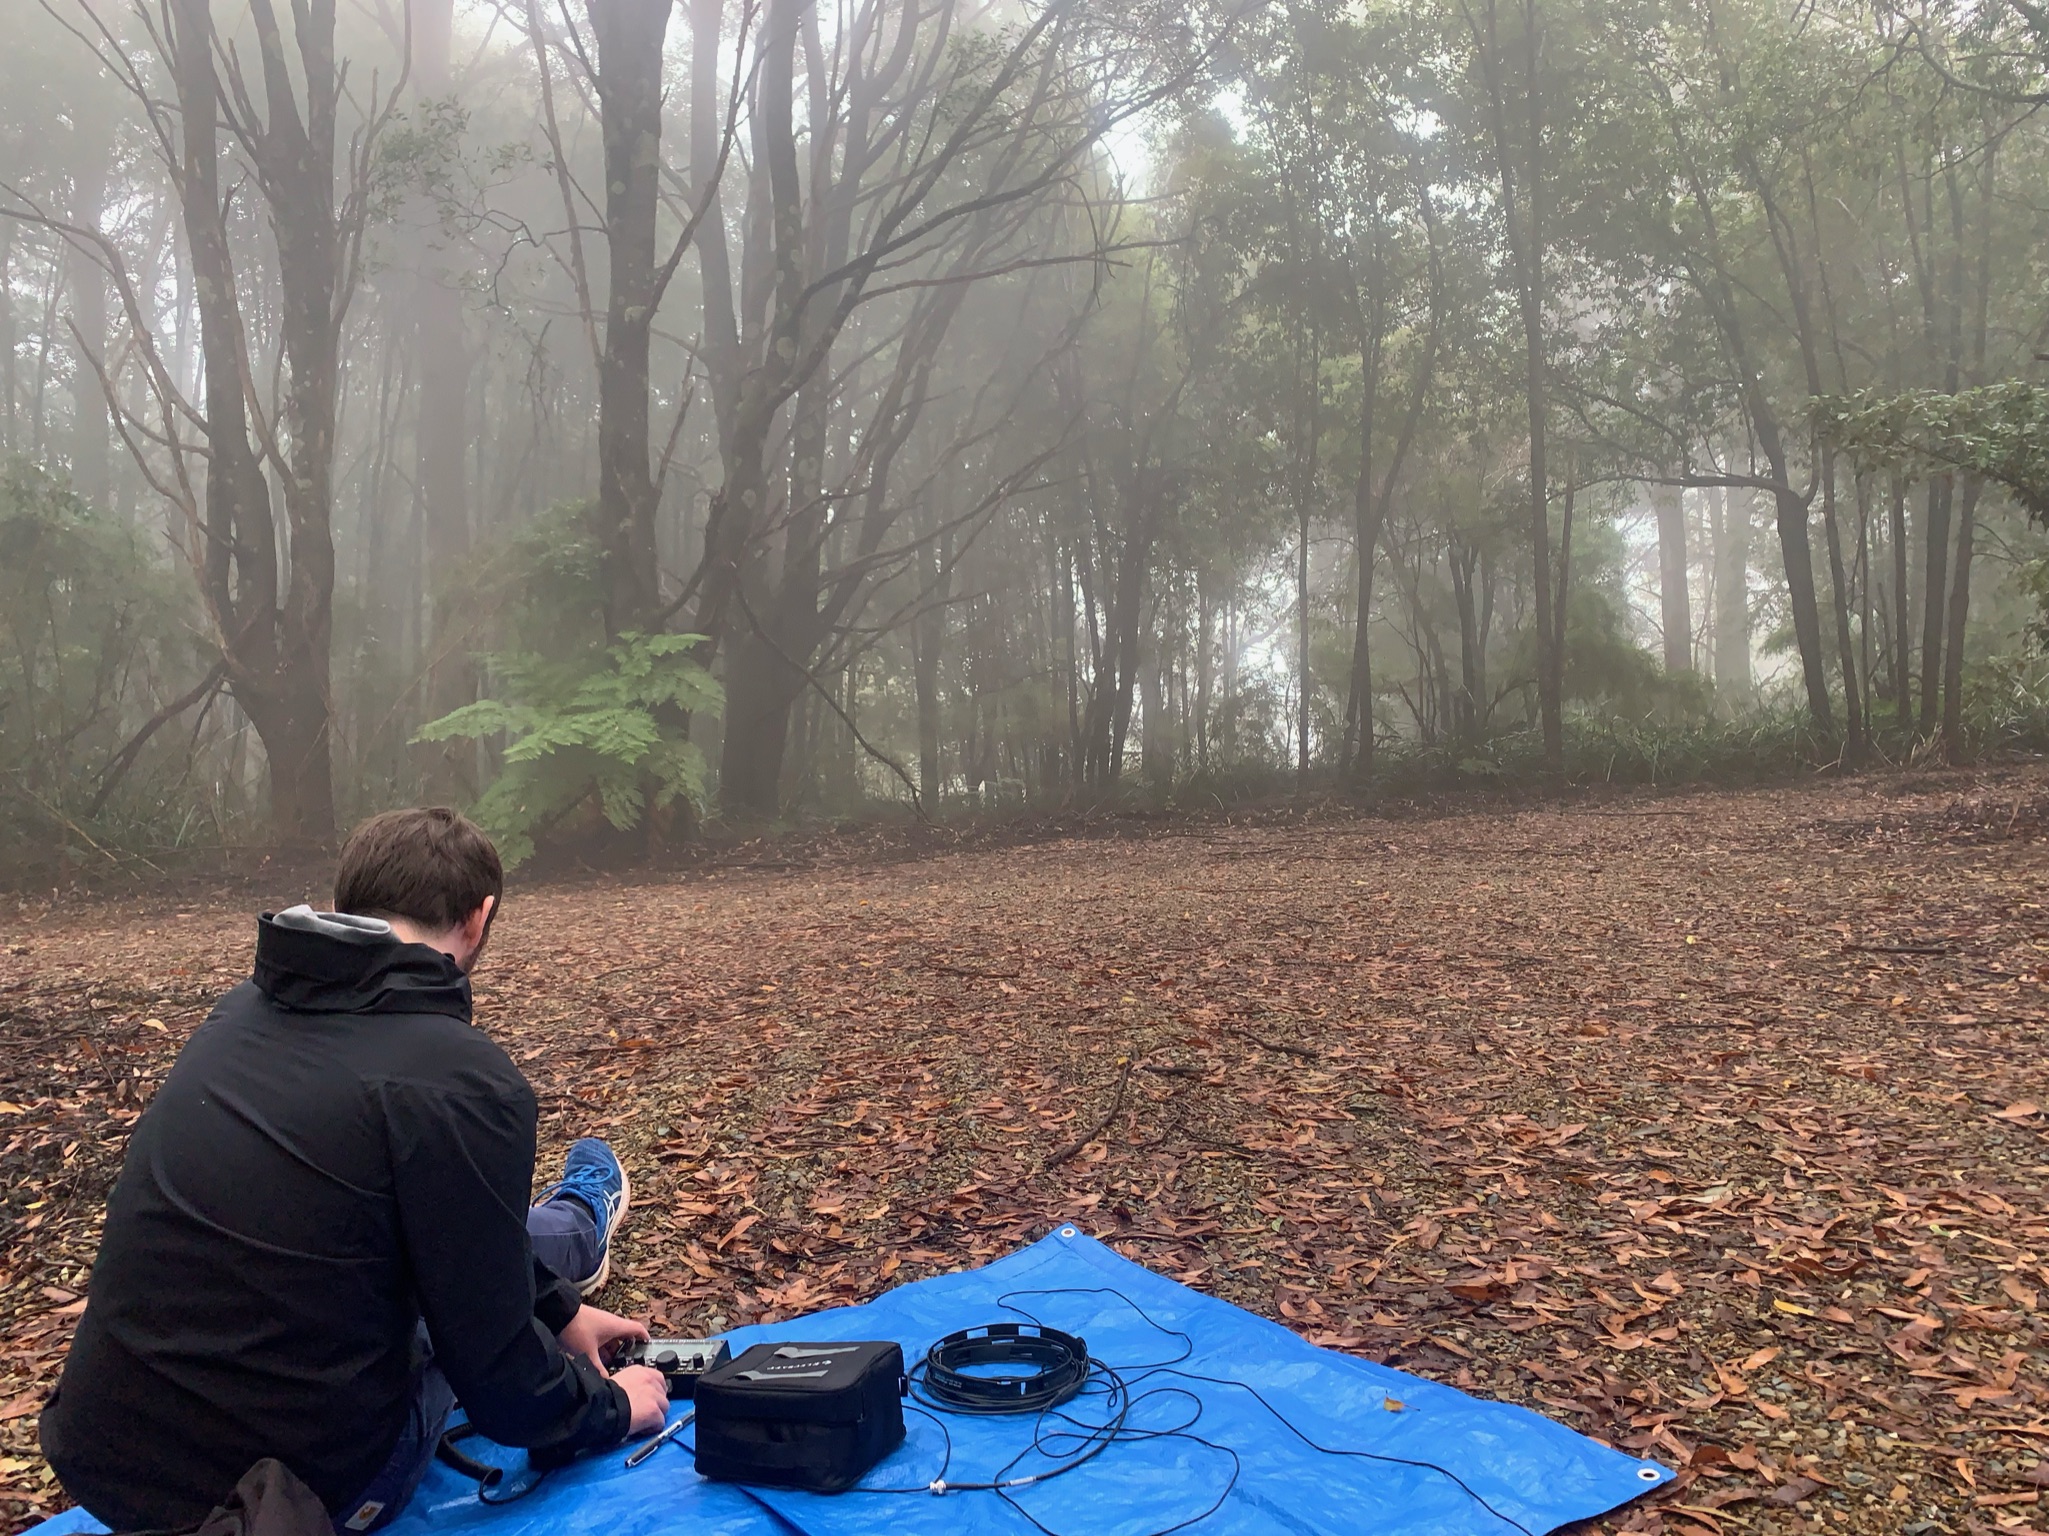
pixel 337 1158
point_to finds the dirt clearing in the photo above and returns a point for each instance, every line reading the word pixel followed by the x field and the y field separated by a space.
pixel 1715 1126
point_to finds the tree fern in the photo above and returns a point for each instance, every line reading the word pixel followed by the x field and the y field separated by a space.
pixel 577 732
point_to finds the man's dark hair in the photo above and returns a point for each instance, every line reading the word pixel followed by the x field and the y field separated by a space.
pixel 428 865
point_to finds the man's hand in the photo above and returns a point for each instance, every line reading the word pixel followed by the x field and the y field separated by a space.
pixel 595 1333
pixel 648 1392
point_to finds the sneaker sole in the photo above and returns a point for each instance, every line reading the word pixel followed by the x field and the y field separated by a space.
pixel 597 1281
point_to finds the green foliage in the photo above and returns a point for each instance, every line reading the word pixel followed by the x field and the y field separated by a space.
pixel 2006 705
pixel 2000 431
pixel 1606 748
pixel 579 733
pixel 1605 667
pixel 90 644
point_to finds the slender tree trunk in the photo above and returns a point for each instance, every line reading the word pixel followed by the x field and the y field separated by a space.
pixel 1523 210
pixel 1853 704
pixel 1959 619
pixel 1797 553
pixel 1128 607
pixel 714 259
pixel 1302 643
pixel 1676 611
pixel 1155 751
pixel 1069 623
pixel 1550 656
pixel 1205 670
pixel 1935 577
pixel 1464 562
pixel 1866 609
pixel 928 638
pixel 10 382
pixel 1967 504
pixel 46 337
pixel 1306 410
pixel 91 472
pixel 441 423
pixel 1902 640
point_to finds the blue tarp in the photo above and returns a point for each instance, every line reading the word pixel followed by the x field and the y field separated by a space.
pixel 1536 1474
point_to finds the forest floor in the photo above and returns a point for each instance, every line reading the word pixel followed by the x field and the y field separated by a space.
pixel 1711 1124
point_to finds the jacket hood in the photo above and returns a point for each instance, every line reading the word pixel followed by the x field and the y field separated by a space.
pixel 323 962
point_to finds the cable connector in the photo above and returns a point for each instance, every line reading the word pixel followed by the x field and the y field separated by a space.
pixel 937 1486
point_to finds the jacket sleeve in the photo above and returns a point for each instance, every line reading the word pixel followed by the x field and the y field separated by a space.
pixel 555 1300
pixel 462 1167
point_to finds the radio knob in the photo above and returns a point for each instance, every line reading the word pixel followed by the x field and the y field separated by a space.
pixel 666 1360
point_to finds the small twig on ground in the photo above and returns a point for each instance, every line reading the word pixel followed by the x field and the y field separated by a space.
pixel 962 970
pixel 1301 1051
pixel 1102 1125
pixel 1630 815
pixel 1897 949
pixel 1229 1147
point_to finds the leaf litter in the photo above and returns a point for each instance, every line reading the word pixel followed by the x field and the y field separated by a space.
pixel 1708 1124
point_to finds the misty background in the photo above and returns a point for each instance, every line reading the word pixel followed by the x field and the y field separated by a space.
pixel 630 416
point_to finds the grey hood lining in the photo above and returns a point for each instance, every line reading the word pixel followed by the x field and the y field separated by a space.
pixel 346 926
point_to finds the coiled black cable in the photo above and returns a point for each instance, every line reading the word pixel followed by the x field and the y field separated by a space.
pixel 1059 1365
pixel 1081 1442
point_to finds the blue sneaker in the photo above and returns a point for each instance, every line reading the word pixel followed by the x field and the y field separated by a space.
pixel 592 1177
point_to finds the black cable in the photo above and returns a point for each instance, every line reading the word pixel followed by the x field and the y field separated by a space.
pixel 1118 1390
pixel 1124 1435
pixel 1187 1340
pixel 495 1484
pixel 1059 1367
pixel 1326 1450
pixel 1089 1439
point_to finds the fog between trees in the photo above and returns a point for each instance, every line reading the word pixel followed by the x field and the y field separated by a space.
pixel 615 414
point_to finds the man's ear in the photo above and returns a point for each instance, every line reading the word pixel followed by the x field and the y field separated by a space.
pixel 478 923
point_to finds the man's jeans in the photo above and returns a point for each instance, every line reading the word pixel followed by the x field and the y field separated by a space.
pixel 566 1240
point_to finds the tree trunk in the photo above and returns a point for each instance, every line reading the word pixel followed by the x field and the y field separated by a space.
pixel 91 473
pixel 441 425
pixel 1069 625
pixel 629 36
pixel 1464 562
pixel 1853 705
pixel 1729 531
pixel 1935 574
pixel 275 647
pixel 1967 504
pixel 1797 552
pixel 1205 643
pixel 1959 618
pixel 1902 587
pixel 10 367
pixel 1302 645
pixel 714 259
pixel 1156 759
pixel 928 639
pixel 292 722
pixel 757 728
pixel 1121 653
pixel 1669 503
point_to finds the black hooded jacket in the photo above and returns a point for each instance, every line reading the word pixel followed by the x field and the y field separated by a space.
pixel 336 1155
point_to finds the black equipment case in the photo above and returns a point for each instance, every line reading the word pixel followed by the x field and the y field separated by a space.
pixel 814 1416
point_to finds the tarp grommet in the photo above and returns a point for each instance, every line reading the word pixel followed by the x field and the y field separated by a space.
pixel 1649 1474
